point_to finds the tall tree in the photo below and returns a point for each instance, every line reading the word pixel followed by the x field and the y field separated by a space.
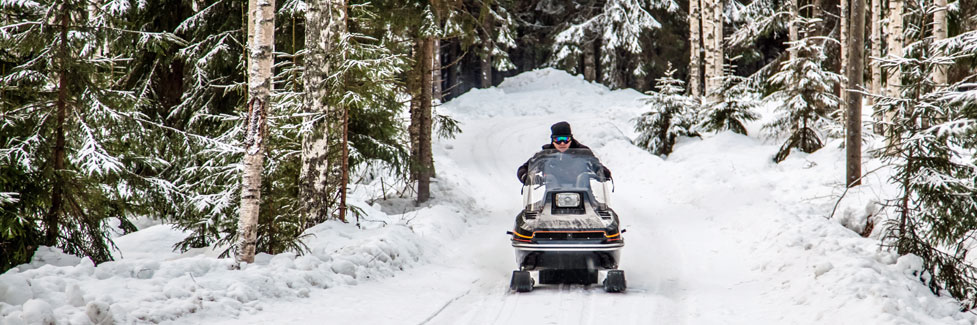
pixel 939 34
pixel 716 66
pixel 615 29
pixel 695 47
pixel 321 141
pixel 712 43
pixel 65 162
pixel 261 50
pixel 876 42
pixel 488 24
pixel 893 83
pixel 853 95
pixel 846 44
pixel 420 88
pixel 937 199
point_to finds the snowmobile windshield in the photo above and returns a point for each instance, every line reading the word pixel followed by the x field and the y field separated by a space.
pixel 574 170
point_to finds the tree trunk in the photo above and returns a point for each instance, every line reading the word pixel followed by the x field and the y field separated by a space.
pixel 709 42
pixel 420 126
pixel 427 159
pixel 436 72
pixel 260 86
pixel 486 55
pixel 321 169
pixel 845 41
pixel 792 28
pixel 695 48
pixel 589 61
pixel 343 184
pixel 719 57
pixel 53 218
pixel 876 49
pixel 939 33
pixel 454 84
pixel 853 144
pixel 893 84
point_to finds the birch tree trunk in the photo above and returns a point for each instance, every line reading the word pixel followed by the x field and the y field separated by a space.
pixel 709 43
pixel 853 143
pixel 792 28
pixel 695 48
pixel 939 33
pixel 893 83
pixel 321 166
pixel 262 13
pixel 876 49
pixel 719 56
pixel 845 41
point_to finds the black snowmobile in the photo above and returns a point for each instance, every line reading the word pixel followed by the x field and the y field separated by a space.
pixel 566 230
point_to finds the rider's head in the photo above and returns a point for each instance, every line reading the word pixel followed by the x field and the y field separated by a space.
pixel 561 136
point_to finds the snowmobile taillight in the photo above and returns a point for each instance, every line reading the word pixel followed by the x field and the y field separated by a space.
pixel 520 237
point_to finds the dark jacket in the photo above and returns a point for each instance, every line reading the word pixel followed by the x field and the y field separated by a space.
pixel 521 172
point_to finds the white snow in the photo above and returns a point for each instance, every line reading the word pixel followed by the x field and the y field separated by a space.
pixel 717 234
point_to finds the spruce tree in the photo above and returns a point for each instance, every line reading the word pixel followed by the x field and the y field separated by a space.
pixel 735 110
pixel 671 115
pixel 618 27
pixel 68 124
pixel 932 159
pixel 805 88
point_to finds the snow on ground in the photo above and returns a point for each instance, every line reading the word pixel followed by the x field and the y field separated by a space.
pixel 717 234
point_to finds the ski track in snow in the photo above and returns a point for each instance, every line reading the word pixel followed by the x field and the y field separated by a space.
pixel 717 233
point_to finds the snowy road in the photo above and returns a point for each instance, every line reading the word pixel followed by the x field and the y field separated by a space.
pixel 715 233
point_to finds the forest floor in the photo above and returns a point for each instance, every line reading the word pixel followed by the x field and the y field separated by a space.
pixel 717 234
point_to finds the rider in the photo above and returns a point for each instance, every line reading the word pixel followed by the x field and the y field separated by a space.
pixel 561 140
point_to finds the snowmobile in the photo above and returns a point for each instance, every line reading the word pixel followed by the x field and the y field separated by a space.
pixel 566 231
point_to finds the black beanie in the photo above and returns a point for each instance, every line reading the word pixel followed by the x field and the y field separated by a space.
pixel 560 128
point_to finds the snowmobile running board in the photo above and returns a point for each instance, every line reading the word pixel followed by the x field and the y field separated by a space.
pixel 569 247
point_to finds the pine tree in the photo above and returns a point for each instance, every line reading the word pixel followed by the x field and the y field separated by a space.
pixel 362 81
pixel 671 115
pixel 933 213
pixel 735 110
pixel 806 90
pixel 67 126
pixel 619 26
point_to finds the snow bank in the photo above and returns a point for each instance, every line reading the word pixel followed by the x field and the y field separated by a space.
pixel 150 283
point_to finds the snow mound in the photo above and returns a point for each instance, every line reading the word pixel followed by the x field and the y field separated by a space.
pixel 148 283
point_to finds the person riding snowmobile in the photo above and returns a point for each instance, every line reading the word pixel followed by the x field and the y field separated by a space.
pixel 561 139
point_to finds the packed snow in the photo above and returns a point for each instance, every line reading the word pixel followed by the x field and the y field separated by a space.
pixel 717 234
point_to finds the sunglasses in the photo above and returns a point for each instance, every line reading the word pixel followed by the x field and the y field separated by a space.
pixel 561 139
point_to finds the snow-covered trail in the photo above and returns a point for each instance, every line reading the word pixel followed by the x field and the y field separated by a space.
pixel 673 277
pixel 717 234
